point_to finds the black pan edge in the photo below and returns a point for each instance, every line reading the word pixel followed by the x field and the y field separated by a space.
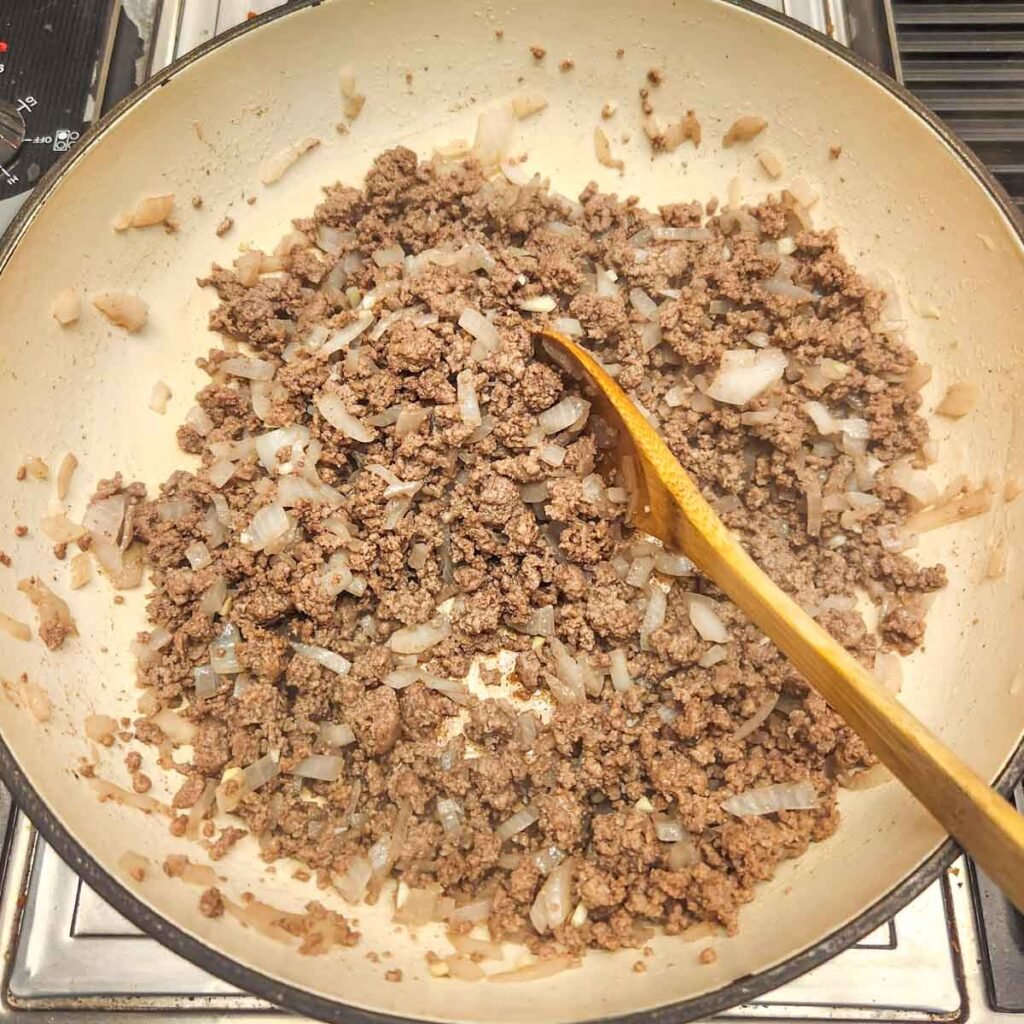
pixel 743 990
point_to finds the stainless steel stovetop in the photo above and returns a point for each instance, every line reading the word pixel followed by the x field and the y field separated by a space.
pixel 67 956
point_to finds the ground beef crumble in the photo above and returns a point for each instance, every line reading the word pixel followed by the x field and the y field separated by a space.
pixel 513 532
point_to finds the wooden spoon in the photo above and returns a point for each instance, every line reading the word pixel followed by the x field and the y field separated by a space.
pixel 667 504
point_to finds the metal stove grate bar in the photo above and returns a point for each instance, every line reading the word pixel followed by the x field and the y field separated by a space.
pixel 966 62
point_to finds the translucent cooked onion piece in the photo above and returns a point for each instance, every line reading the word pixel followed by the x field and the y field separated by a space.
pixel 744 374
pixel 913 482
pixel 554 900
pixel 60 529
pixel 469 406
pixel 276 166
pixel 67 307
pixel 540 623
pixel 223 651
pixel 669 564
pixel 150 211
pixel 260 772
pixel 55 620
pixel 669 830
pixel 180 731
pixel 321 655
pixel 333 734
pixel 779 796
pixel 13 628
pixel 355 881
pixel 495 135
pixel 324 767
pixel 207 682
pixel 268 530
pixel 421 637
pixel 519 822
pixel 332 408
pixel 337 576
pixel 123 310
pixel 705 619
pixel 654 613
pixel 758 718
pixel 484 333
pixel 563 415
pixel 450 813
pixel 621 679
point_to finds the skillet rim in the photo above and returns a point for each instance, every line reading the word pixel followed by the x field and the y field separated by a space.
pixel 292 997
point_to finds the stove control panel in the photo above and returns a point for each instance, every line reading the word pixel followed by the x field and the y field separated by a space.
pixel 52 61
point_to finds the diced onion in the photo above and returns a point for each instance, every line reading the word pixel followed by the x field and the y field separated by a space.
pixel 248 368
pixel 654 613
pixel 421 637
pixel 329 659
pixel 332 408
pixel 757 719
pixel 354 882
pixel 670 564
pixel 344 336
pixel 552 454
pixel 643 303
pixel 159 397
pixel 669 830
pixel 199 420
pixel 335 734
pixel 519 822
pixel 325 767
pixel 67 307
pixel 495 134
pixel 712 656
pixel 704 618
pixel 785 288
pixel 538 304
pixel 663 234
pixel 563 415
pixel 779 796
pixel 410 419
pixel 260 772
pixel 484 333
pixel 914 482
pixel 223 651
pixel 14 628
pixel 569 326
pixel 621 679
pixel 540 623
pixel 275 167
pixel 198 555
pixel 178 730
pixel 469 407
pixel 553 903
pixel 207 683
pixel 123 310
pixel 745 374
pixel 60 529
pixel 450 813
pixel 268 529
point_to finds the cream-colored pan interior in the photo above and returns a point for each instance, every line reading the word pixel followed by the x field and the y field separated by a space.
pixel 900 196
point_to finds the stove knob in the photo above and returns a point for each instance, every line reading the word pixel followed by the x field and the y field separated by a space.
pixel 12 131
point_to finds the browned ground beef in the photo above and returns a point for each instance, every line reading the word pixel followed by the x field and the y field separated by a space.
pixel 607 769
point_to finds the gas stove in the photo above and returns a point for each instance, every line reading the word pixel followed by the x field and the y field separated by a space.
pixel 955 954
